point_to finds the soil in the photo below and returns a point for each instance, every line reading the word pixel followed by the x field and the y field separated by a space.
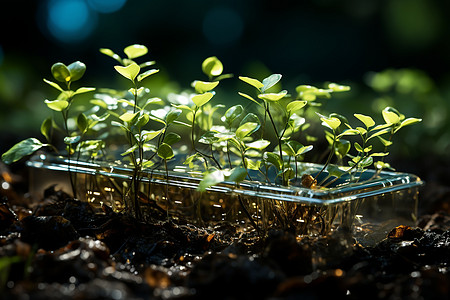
pixel 59 248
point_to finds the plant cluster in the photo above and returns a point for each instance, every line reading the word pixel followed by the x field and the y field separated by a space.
pixel 256 140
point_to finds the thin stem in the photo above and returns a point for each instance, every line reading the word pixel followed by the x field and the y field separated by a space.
pixel 279 141
pixel 329 156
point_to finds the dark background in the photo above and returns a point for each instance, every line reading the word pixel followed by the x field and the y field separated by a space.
pixel 309 42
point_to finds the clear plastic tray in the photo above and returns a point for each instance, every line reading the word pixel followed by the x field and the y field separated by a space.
pixel 382 201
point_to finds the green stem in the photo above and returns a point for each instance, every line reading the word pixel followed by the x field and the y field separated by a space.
pixel 329 156
pixel 279 141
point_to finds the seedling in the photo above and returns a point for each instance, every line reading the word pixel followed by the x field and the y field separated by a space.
pixel 239 145
pixel 66 75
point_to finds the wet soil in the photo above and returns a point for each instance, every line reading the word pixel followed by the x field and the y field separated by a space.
pixel 59 248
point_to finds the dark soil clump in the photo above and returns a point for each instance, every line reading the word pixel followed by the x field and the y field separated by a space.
pixel 64 248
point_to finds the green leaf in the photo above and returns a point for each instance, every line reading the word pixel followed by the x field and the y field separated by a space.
pixel 246 129
pixel 135 51
pixel 128 117
pixel 110 53
pixel 253 82
pixel 409 121
pixel 141 120
pixel 83 90
pixel 270 81
pixel 171 138
pixel 358 147
pixel 210 179
pixel 232 113
pixel 274 159
pixel 391 115
pixel 130 72
pixel 379 154
pixel 165 151
pixel 148 135
pixel 304 149
pixel 21 149
pixel 259 144
pixel 172 115
pixel 252 164
pixel 334 170
pixel 385 142
pixel 147 73
pixel 209 138
pixel 53 84
pixel 212 66
pixel 295 106
pixel 378 133
pixel 60 72
pixel 46 128
pixel 129 150
pixel 273 96
pixel 76 70
pixel 202 99
pixel 204 86
pixel 69 140
pixel 338 88
pixel 82 123
pixel 57 105
pixel 366 120
pixel 250 98
pixel 366 162
pixel 342 147
pixel 237 174
pixel 330 122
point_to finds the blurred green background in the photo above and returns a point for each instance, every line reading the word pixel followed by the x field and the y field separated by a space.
pixel 392 52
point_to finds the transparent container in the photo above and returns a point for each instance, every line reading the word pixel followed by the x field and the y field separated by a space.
pixel 378 201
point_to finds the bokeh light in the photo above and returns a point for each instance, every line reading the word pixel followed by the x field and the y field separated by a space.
pixel 70 20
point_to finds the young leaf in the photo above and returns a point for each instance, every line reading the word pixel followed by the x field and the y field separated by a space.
pixel 258 145
pixel 110 53
pixel 135 51
pixel 338 88
pixel 21 149
pixel 409 121
pixel 367 120
pixel 130 72
pixel 128 117
pixel 212 66
pixel 57 105
pixel 53 84
pixel 331 122
pixel 204 86
pixel 76 70
pixel 60 72
pixel 165 151
pixel 148 135
pixel 249 98
pixel 83 90
pixel 69 140
pixel 270 82
pixel 171 138
pixel 273 96
pixel 210 179
pixel 237 174
pixel 295 106
pixel 246 129
pixel 147 73
pixel 82 123
pixel 46 128
pixel 172 115
pixel 253 82
pixel 274 159
pixel 202 99
pixel 232 113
